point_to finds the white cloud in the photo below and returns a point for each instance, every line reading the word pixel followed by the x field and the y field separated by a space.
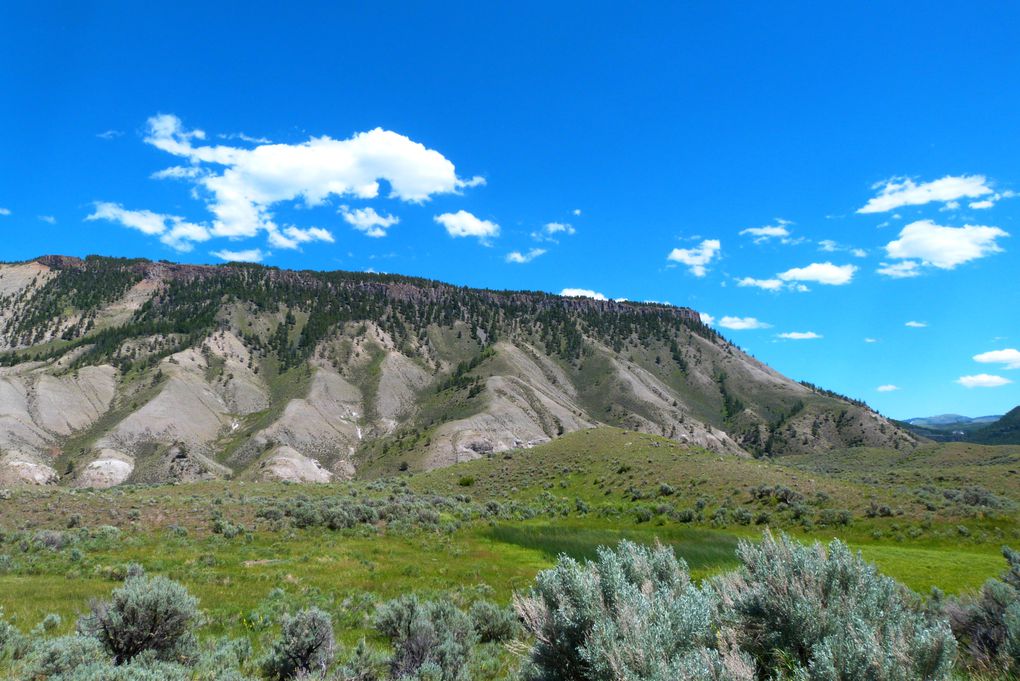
pixel 368 220
pixel 1009 358
pixel 916 325
pixel 172 230
pixel 706 318
pixel 109 134
pixel 292 237
pixel 830 246
pixel 979 205
pixel 768 232
pixel 870 340
pixel 182 235
pixel 521 258
pixel 888 388
pixel 698 258
pixel 898 192
pixel 944 247
pixel 250 255
pixel 800 335
pixel 767 284
pixel 550 230
pixel 821 273
pixel 243 184
pixel 48 219
pixel 582 293
pixel 900 270
pixel 463 223
pixel 983 381
pixel 5 211
pixel 742 323
pixel 576 211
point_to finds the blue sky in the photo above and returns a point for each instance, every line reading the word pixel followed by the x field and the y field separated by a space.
pixel 836 172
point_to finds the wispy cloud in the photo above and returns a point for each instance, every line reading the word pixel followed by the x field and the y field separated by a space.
pixel 109 134
pixel 916 325
pixel 249 255
pixel 521 258
pixel 800 335
pixel 551 231
pixel 887 388
pixel 48 219
pixel 5 211
pixel 899 192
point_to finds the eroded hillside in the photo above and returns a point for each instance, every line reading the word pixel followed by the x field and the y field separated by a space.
pixel 120 371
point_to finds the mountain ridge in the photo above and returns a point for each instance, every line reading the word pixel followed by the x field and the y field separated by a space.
pixel 129 370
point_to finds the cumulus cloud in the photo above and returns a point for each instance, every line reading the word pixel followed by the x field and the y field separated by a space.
pixel 368 220
pixel 463 223
pixel 742 323
pixel 983 381
pixel 944 247
pixel 582 293
pixel 767 284
pixel 898 192
pixel 821 273
pixel 800 335
pixel 706 318
pixel 916 325
pixel 521 258
pixel 5 211
pixel 698 258
pixel 243 184
pixel 172 230
pixel 1009 358
pixel 888 388
pixel 249 255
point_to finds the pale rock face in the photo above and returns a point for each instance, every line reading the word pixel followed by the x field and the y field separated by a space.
pixel 111 468
pixel 17 469
pixel 323 425
pixel 286 463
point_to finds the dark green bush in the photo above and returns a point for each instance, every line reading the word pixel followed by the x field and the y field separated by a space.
pixel 305 645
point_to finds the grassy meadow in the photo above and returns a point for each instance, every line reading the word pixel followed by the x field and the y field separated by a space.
pixel 935 518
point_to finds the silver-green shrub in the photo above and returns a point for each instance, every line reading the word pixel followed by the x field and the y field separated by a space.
pixel 431 639
pixel 988 625
pixel 62 655
pixel 632 614
pixel 305 645
pixel 145 614
pixel 824 614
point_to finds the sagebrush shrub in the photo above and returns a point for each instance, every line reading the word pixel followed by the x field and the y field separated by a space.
pixel 493 623
pixel 988 626
pixel 145 614
pixel 431 639
pixel 825 614
pixel 305 645
pixel 632 614
pixel 62 655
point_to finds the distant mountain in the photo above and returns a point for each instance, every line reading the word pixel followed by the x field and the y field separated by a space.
pixel 950 421
pixel 956 428
pixel 115 370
